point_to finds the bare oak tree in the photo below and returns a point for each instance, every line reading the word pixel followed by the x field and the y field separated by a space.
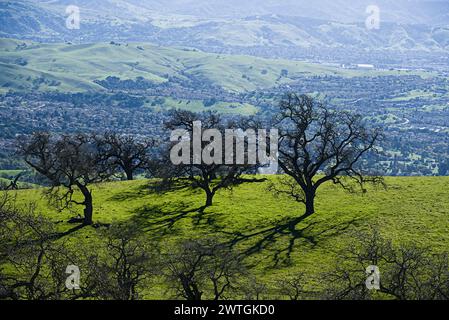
pixel 208 177
pixel 68 162
pixel 203 269
pixel 32 264
pixel 293 287
pixel 127 268
pixel 319 145
pixel 407 271
pixel 125 152
pixel 33 260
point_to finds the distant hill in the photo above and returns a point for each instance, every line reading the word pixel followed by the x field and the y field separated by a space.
pixel 430 12
pixel 26 65
pixel 272 28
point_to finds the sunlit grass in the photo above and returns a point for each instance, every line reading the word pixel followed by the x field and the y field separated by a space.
pixel 410 209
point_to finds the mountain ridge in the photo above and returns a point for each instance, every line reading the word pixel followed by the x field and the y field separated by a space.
pixel 35 21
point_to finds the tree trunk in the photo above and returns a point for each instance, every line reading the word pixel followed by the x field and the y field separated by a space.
pixel 129 174
pixel 209 198
pixel 310 203
pixel 88 205
pixel 191 291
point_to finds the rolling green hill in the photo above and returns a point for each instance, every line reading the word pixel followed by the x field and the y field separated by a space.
pixel 411 209
pixel 28 66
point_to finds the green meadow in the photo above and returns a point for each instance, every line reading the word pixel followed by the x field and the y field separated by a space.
pixel 410 210
pixel 198 106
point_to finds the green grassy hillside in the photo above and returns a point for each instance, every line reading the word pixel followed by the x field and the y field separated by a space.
pixel 198 106
pixel 411 209
pixel 73 68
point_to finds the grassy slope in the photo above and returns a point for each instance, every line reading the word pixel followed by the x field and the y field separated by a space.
pixel 7 182
pixel 198 106
pixel 9 173
pixel 76 66
pixel 411 209
pixel 6 176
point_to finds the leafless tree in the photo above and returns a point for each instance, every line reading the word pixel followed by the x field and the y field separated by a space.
pixel 407 272
pixel 125 152
pixel 253 289
pixel 319 145
pixel 33 261
pixel 32 264
pixel 203 269
pixel 209 178
pixel 68 162
pixel 293 287
pixel 129 262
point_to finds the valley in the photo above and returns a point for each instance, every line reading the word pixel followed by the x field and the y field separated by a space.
pixel 132 85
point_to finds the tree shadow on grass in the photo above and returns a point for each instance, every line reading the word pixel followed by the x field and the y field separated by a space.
pixel 142 190
pixel 136 193
pixel 60 235
pixel 266 237
pixel 162 218
pixel 206 218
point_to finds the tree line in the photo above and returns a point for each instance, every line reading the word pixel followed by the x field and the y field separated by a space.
pixel 317 145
